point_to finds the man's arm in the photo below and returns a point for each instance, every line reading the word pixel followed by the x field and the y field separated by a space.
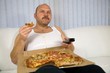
pixel 19 43
pixel 17 49
pixel 64 37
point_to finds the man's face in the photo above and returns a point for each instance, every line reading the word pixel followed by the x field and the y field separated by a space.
pixel 43 15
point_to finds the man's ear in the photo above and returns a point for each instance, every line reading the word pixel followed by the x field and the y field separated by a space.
pixel 35 15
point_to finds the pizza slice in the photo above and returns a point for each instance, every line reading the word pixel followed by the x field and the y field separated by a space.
pixel 36 60
pixel 64 59
pixel 31 24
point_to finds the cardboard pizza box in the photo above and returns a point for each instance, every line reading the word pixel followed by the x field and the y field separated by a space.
pixel 22 68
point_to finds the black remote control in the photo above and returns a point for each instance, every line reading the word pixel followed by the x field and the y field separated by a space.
pixel 69 40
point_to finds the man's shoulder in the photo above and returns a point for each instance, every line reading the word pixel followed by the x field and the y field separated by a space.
pixel 57 27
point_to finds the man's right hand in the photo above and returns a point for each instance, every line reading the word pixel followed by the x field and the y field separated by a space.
pixel 24 32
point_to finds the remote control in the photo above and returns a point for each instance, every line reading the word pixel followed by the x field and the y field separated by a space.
pixel 69 40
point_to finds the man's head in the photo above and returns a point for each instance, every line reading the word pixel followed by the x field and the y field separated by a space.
pixel 43 15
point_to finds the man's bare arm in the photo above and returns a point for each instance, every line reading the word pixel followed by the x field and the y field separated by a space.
pixel 17 49
pixel 64 37
pixel 19 43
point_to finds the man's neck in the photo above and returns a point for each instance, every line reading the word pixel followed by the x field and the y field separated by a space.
pixel 42 29
pixel 41 26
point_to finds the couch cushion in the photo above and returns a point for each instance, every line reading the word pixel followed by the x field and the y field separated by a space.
pixel 94 40
pixel 103 62
pixel 9 71
pixel 6 43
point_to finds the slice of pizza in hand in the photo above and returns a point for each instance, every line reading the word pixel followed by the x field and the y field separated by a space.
pixel 31 24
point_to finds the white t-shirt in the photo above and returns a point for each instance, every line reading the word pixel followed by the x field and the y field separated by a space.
pixel 43 40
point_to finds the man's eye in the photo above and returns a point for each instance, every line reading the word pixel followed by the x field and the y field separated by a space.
pixel 42 11
pixel 49 12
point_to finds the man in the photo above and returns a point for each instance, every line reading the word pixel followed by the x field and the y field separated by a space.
pixel 30 38
pixel 43 17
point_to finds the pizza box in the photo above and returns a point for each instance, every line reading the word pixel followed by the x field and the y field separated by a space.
pixel 22 68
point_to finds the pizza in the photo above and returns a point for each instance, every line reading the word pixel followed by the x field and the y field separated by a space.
pixel 36 60
pixel 78 60
pixel 59 58
pixel 64 59
pixel 31 24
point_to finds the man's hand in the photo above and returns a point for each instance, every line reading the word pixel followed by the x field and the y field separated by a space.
pixel 24 32
pixel 67 43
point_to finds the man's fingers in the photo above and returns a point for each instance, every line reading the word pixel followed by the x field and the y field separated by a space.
pixel 23 27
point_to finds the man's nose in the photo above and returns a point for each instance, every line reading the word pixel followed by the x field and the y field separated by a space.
pixel 45 13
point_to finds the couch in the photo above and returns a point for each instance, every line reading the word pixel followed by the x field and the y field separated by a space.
pixel 92 43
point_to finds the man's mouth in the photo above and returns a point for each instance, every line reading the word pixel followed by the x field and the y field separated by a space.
pixel 45 18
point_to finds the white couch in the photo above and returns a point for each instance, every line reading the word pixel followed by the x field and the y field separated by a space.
pixel 92 43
